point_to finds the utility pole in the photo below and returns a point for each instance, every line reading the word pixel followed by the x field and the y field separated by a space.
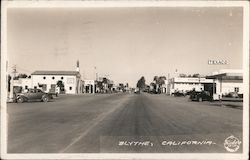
pixel 96 74
pixel 11 96
pixel 168 84
pixel 95 83
pixel 14 71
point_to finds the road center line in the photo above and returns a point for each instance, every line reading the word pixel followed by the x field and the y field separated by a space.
pixel 100 118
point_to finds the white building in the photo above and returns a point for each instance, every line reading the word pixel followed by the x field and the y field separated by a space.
pixel 185 84
pixel 48 80
pixel 226 81
pixel 25 83
pixel 164 87
pixel 89 86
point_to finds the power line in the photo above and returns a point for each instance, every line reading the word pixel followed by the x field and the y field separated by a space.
pixel 22 69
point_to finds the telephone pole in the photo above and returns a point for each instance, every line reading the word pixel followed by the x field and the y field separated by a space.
pixel 11 96
pixel 96 74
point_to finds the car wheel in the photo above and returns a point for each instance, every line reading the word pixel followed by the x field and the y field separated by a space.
pixel 200 99
pixel 20 100
pixel 45 99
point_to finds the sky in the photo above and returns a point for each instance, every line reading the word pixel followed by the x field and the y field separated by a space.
pixel 124 44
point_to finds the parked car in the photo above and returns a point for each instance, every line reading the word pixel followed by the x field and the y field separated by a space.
pixel 232 95
pixel 33 94
pixel 54 91
pixel 178 94
pixel 137 91
pixel 201 96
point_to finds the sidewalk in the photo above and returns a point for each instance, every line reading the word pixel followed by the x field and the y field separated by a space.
pixel 232 99
pixel 232 104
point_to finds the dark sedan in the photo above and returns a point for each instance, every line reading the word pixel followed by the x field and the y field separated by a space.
pixel 179 94
pixel 33 94
pixel 200 96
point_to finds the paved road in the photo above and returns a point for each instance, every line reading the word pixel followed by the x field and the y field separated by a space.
pixel 121 123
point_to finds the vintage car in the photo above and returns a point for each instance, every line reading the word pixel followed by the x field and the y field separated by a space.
pixel 201 96
pixel 33 94
pixel 232 95
pixel 179 94
pixel 137 91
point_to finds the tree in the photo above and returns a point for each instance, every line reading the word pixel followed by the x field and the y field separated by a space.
pixel 162 80
pixel 126 85
pixel 196 75
pixel 105 80
pixel 21 75
pixel 60 85
pixel 182 75
pixel 141 83
pixel 159 81
pixel 100 85
pixel 121 85
pixel 110 85
pixel 156 79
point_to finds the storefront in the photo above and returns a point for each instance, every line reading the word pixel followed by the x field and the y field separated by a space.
pixel 226 82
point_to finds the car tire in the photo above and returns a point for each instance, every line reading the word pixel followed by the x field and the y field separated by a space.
pixel 20 100
pixel 45 99
pixel 200 99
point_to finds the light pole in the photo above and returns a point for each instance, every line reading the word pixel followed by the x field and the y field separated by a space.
pixel 200 82
pixel 11 96
pixel 96 74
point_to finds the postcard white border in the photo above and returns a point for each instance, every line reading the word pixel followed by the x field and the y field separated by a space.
pixel 78 4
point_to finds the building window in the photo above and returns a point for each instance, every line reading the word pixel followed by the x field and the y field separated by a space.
pixel 44 87
pixel 53 77
pixel 26 87
pixel 62 78
pixel 44 77
pixel 70 88
pixel 236 89
pixel 35 87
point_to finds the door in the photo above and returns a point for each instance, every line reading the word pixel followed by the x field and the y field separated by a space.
pixel 31 94
pixel 39 94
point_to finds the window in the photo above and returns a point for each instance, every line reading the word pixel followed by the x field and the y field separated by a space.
pixel 53 77
pixel 236 89
pixel 26 87
pixel 44 87
pixel 62 78
pixel 44 77
pixel 35 87
pixel 70 88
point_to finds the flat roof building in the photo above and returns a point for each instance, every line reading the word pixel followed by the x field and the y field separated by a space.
pixel 49 80
pixel 227 81
pixel 185 84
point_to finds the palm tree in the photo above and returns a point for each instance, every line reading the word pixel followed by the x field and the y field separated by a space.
pixel 159 81
pixel 141 83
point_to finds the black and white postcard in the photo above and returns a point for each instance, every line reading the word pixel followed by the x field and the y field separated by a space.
pixel 125 80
